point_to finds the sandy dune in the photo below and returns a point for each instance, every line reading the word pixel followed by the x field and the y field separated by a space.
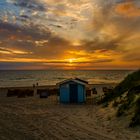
pixel 46 119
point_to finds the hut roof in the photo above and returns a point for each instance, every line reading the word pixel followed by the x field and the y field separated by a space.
pixel 76 80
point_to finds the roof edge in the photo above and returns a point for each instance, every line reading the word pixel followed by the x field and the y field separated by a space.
pixel 77 80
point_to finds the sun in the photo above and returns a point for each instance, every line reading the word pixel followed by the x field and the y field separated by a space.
pixel 70 60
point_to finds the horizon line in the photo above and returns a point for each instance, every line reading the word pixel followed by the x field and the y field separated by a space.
pixel 67 69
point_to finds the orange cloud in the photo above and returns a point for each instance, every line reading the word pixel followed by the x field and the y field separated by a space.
pixel 12 51
pixel 128 9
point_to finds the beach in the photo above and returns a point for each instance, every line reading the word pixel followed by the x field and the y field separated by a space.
pixel 69 70
pixel 32 118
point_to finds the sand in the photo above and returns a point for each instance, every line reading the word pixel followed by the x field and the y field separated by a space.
pixel 33 118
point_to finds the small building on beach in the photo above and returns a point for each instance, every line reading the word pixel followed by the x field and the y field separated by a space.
pixel 72 90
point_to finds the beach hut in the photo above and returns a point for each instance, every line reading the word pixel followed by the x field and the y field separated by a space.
pixel 72 91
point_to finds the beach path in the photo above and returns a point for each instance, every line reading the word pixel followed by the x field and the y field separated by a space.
pixel 34 119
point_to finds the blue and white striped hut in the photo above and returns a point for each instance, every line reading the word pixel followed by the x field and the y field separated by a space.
pixel 72 91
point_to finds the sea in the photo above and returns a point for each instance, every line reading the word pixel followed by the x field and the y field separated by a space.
pixel 21 78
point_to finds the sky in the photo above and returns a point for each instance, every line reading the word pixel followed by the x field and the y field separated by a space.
pixel 69 34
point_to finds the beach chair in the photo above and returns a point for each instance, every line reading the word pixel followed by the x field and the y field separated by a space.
pixel 44 95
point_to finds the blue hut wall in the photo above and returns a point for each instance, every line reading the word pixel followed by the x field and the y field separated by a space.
pixel 64 93
pixel 81 93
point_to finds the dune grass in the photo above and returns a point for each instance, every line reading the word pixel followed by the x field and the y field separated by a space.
pixel 126 98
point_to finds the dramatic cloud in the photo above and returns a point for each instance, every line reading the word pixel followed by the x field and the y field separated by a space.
pixel 128 9
pixel 69 34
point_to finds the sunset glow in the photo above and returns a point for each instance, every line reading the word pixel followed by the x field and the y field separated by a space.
pixel 70 60
pixel 69 34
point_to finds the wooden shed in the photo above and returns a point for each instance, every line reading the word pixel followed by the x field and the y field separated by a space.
pixel 72 91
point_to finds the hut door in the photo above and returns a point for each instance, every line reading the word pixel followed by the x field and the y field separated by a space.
pixel 73 93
